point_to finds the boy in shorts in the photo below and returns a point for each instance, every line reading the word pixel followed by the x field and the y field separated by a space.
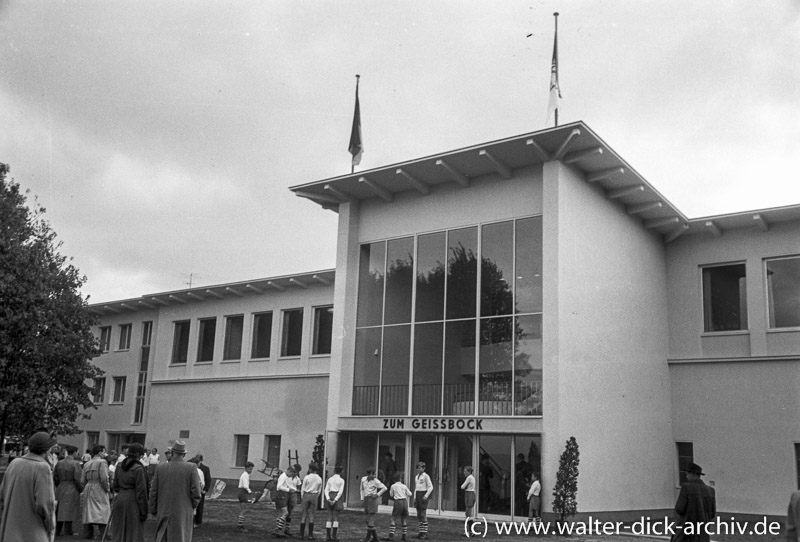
pixel 400 493
pixel 371 491
pixel 334 492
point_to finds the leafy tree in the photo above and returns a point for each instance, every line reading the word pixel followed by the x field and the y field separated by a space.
pixel 46 344
pixel 566 488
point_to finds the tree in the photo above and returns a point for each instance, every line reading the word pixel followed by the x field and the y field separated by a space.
pixel 566 488
pixel 46 343
pixel 318 455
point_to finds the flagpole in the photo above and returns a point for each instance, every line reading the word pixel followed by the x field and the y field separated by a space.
pixel 356 128
pixel 555 15
pixel 352 165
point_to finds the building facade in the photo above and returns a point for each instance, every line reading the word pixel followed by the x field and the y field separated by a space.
pixel 488 304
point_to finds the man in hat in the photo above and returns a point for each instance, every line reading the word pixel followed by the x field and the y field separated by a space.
pixel 174 494
pixel 696 506
pixel 27 497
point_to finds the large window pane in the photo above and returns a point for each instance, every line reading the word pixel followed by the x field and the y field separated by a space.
pixel 497 347
pixel 232 349
pixel 205 339
pixel 370 284
pixel 323 330
pixel 528 270
pixel 457 455
pixel 262 335
pixel 462 272
pixel 459 368
pixel 725 298
pixel 427 369
pixel 399 280
pixel 528 461
pixel 494 474
pixel 528 366
pixel 431 254
pixel 395 369
pixel 180 342
pixel 783 285
pixel 424 450
pixel 497 268
pixel 292 339
pixel 366 371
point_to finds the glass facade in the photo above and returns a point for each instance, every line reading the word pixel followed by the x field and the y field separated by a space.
pixel 439 334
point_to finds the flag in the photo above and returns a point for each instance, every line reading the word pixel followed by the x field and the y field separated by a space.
pixel 555 89
pixel 356 147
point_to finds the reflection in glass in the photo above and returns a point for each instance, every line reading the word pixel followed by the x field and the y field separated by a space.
pixel 497 268
pixel 395 370
pixel 424 449
pixel 459 368
pixel 366 371
pixel 496 340
pixel 528 461
pixel 457 455
pixel 399 280
pixel 462 272
pixel 494 475
pixel 528 366
pixel 528 251
pixel 370 284
pixel 427 369
pixel 431 253
pixel 363 451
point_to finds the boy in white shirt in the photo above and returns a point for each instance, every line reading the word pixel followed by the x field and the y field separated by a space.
pixel 534 500
pixel 423 487
pixel 334 492
pixel 400 493
pixel 284 487
pixel 309 496
pixel 371 491
pixel 244 494
pixel 469 493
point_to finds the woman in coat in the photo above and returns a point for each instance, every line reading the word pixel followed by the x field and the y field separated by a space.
pixel 67 477
pixel 95 505
pixel 130 505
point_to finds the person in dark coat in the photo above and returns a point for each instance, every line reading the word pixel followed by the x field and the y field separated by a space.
pixel 129 511
pixel 174 494
pixel 198 517
pixel 696 506
pixel 67 478
pixel 386 472
pixel 793 518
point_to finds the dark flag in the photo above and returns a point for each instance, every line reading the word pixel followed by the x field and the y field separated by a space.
pixel 356 147
pixel 555 89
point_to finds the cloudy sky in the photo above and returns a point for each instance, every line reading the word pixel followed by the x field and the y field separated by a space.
pixel 162 136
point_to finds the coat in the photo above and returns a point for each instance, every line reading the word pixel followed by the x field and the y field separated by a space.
pixel 130 505
pixel 696 505
pixel 174 494
pixel 67 478
pixel 95 504
pixel 27 501
pixel 793 518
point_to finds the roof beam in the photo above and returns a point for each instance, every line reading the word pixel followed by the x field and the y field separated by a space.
pixel 255 289
pixel 604 174
pixel 276 286
pixel 674 234
pixel 760 222
pixel 577 156
pixel 543 154
pixel 713 228
pixel 338 194
pixel 418 185
pixel 317 197
pixel 501 168
pixel 562 149
pixel 322 280
pixel 456 175
pixel 234 291
pixel 160 301
pixel 195 296
pixel 112 309
pixel 126 306
pixel 658 222
pixel 299 283
pixel 379 191
pixel 146 304
pixel 644 207
pixel 624 191
pixel 215 294
pixel 178 299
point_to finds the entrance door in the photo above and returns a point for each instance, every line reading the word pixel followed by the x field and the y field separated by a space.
pixel 425 449
pixel 457 454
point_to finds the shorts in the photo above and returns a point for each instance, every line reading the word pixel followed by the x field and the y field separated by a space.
pixel 281 499
pixel 400 508
pixel 371 504
pixel 243 495
pixel 469 499
pixel 534 504
pixel 420 501
pixel 337 506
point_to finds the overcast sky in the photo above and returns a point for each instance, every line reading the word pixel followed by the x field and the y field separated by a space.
pixel 162 136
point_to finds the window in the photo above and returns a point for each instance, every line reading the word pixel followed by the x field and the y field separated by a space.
pixel 262 335
pixel 323 330
pixel 292 339
pixel 241 444
pixel 685 456
pixel 141 383
pixel 783 292
pixel 183 433
pixel 797 461
pixel 180 342
pixel 234 325
pixel 119 389
pixel 105 338
pixel 92 438
pixel 125 336
pixel 272 449
pixel 205 340
pixel 99 391
pixel 725 298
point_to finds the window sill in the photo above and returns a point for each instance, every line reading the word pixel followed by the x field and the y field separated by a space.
pixel 321 355
pixel 725 333
pixel 122 350
pixel 118 403
pixel 230 361
pixel 784 330
pixel 289 358
pixel 204 362
pixel 258 360
pixel 182 364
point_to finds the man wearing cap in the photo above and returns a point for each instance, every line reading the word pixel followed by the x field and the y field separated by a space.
pixel 696 506
pixel 174 494
pixel 27 497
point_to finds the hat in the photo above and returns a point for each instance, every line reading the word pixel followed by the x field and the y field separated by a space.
pixel 41 441
pixel 694 468
pixel 178 447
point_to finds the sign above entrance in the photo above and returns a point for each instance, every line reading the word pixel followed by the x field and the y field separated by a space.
pixel 433 424
pixel 423 424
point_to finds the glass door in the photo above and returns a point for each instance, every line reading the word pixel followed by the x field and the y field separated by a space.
pixel 425 448
pixel 457 454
